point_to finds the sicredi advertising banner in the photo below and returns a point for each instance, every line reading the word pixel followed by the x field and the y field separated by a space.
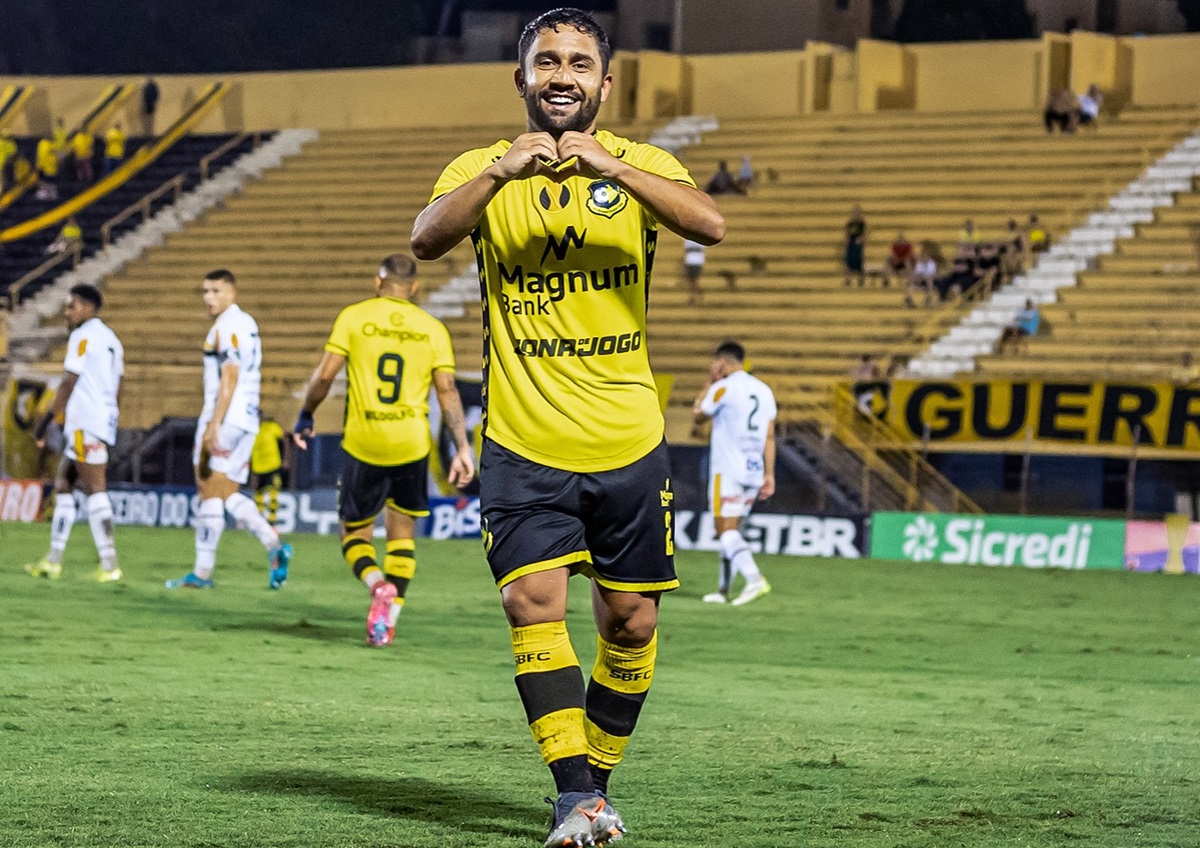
pixel 1029 541
pixel 313 511
pixel 790 535
pixel 1166 416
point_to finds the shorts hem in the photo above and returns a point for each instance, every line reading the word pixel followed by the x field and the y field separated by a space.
pixel 415 513
pixel 624 586
pixel 544 565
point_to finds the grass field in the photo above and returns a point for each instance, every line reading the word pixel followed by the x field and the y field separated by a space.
pixel 860 704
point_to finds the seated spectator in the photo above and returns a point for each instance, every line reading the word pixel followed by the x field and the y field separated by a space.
pixel 8 155
pixel 923 278
pixel 722 182
pixel 68 238
pixel 1014 251
pixel 1089 106
pixel 745 177
pixel 114 148
pixel 969 236
pixel 960 279
pixel 987 265
pixel 868 381
pixel 855 246
pixel 1037 237
pixel 899 259
pixel 1023 326
pixel 1060 111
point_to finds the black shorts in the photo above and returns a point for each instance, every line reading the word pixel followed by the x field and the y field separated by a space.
pixel 617 527
pixel 365 489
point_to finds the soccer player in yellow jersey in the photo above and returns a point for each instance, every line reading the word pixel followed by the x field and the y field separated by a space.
pixel 574 472
pixel 266 467
pixel 392 350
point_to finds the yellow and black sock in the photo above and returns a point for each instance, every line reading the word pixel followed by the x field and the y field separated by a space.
pixel 620 680
pixel 360 554
pixel 399 565
pixel 550 684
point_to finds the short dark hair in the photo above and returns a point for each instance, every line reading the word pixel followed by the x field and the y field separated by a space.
pixel 730 350
pixel 223 275
pixel 399 266
pixel 570 17
pixel 88 294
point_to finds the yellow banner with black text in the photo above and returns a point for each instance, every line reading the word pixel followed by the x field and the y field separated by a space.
pixel 1007 415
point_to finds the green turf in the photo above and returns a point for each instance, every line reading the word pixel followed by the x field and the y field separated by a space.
pixel 860 704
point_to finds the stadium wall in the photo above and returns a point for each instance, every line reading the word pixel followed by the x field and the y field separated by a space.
pixel 654 86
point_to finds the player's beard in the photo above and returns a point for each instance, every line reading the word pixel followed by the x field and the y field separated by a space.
pixel 580 121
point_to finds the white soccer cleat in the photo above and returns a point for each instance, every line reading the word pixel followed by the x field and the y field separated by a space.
pixel 715 598
pixel 753 590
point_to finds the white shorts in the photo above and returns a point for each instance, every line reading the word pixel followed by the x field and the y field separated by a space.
pixel 236 445
pixel 82 446
pixel 729 498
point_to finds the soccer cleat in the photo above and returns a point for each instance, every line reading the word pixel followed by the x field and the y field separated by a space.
pixel 190 581
pixel 583 819
pixel 112 575
pixel 379 617
pixel 281 557
pixel 45 568
pixel 715 598
pixel 751 591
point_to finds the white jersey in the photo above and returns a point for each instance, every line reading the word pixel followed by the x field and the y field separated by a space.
pixel 97 359
pixel 234 338
pixel 742 409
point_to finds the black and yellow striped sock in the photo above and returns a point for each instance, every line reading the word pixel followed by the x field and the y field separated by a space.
pixel 360 554
pixel 399 565
pixel 551 687
pixel 620 680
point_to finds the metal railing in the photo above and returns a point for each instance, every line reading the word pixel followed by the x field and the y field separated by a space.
pixel 175 185
pixel 73 253
pixel 206 162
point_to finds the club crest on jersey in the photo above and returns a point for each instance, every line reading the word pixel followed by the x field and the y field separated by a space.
pixel 606 198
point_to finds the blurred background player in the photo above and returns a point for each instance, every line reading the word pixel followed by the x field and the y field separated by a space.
pixel 87 397
pixel 575 475
pixel 741 463
pixel 387 438
pixel 268 458
pixel 225 435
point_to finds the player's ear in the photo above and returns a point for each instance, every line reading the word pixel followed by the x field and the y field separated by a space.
pixel 606 87
pixel 519 80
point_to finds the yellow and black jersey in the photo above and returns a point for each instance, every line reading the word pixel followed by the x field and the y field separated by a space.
pixel 392 349
pixel 565 270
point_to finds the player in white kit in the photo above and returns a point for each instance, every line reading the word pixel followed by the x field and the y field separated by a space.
pixel 741 465
pixel 225 435
pixel 87 400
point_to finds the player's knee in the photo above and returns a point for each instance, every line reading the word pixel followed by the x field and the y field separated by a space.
pixel 628 619
pixel 535 599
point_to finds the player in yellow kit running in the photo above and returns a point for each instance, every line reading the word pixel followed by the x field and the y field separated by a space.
pixel 392 351
pixel 574 472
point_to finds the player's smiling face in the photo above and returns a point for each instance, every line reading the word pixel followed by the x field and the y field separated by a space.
pixel 563 81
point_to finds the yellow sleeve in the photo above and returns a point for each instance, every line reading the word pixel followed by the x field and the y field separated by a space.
pixel 466 168
pixel 339 336
pixel 443 349
pixel 660 162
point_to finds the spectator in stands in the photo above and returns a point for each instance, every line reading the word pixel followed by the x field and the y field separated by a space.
pixel 745 177
pixel 988 265
pixel 723 182
pixel 1060 111
pixel 1037 237
pixel 68 238
pixel 855 247
pixel 961 278
pixel 1187 371
pixel 8 157
pixel 47 166
pixel 1023 326
pixel 868 382
pixel 1089 106
pixel 923 278
pixel 693 268
pixel 1014 251
pixel 899 260
pixel 84 146
pixel 60 137
pixel 114 148
pixel 969 236
pixel 150 96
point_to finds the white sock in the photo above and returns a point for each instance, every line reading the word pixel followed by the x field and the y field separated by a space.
pixel 210 522
pixel 244 511
pixel 740 559
pixel 60 526
pixel 100 517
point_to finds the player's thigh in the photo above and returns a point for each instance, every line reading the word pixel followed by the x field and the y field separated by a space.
pixel 398 525
pixel 531 516
pixel 728 498
pixel 630 525
pixel 362 492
